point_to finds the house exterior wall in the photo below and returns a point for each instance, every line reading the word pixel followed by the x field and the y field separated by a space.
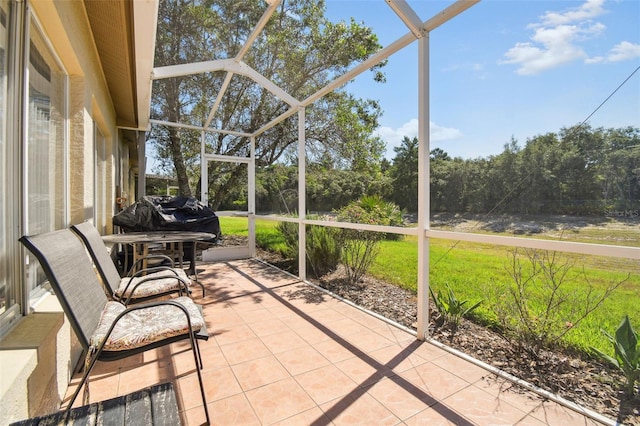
pixel 39 354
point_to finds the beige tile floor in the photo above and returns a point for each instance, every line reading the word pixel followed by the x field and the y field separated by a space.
pixel 281 353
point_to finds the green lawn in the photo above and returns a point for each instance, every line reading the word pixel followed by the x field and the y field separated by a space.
pixel 474 270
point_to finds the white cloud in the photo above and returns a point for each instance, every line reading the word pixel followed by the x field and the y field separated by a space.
pixel 590 9
pixel 552 47
pixel 393 137
pixel 624 51
pixel 557 40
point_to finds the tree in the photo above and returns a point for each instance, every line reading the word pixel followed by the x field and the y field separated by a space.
pixel 299 50
pixel 404 173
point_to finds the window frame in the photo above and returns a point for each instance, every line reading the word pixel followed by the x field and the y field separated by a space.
pixel 22 24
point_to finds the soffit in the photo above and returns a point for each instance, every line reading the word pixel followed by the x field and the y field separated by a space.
pixel 112 26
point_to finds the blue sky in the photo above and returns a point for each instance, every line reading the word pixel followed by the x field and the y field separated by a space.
pixel 506 69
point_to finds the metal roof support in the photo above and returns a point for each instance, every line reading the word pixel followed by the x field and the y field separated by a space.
pixel 251 197
pixel 423 187
pixel 288 113
pixel 302 196
pixel 243 51
pixel 448 13
pixel 216 104
pixel 273 4
pixel 204 172
pixel 408 16
pixel 405 13
pixel 229 65
pixel 373 60
pixel 192 127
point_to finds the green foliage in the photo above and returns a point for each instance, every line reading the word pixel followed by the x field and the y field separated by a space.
pixel 577 171
pixel 289 232
pixel 538 308
pixel 404 172
pixel 322 248
pixel 323 251
pixel 451 308
pixel 300 51
pixel 360 248
pixel 627 353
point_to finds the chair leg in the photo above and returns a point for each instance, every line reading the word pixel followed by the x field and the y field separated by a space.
pixel 199 354
pixel 196 356
pixel 85 377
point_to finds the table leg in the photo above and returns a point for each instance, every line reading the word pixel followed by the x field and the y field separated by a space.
pixel 180 254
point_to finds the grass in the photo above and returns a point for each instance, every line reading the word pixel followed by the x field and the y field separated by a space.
pixel 474 270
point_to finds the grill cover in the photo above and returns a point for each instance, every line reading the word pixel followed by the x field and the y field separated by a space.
pixel 164 213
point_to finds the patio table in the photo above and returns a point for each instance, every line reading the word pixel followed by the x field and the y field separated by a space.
pixel 174 240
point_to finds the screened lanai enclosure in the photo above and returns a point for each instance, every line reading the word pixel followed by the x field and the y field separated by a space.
pixel 265 92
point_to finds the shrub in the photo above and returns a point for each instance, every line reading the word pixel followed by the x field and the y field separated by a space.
pixel 538 308
pixel 323 251
pixel 451 309
pixel 627 353
pixel 360 248
pixel 382 212
pixel 289 231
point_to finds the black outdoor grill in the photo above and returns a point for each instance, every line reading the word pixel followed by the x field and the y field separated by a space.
pixel 165 213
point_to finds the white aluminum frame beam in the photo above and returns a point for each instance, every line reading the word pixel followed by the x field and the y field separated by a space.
pixel 264 19
pixel 273 4
pixel 408 16
pixel 302 199
pixel 192 127
pixel 423 187
pixel 216 103
pixel 228 65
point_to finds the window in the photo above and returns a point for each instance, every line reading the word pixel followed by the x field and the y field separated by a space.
pixel 7 293
pixel 45 201
pixel 100 179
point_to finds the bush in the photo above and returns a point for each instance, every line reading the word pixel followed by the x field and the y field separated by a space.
pixel 450 308
pixel 627 353
pixel 289 231
pixel 538 308
pixel 323 251
pixel 360 248
pixel 373 210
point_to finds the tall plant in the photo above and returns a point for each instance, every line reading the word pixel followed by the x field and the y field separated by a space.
pixel 538 308
pixel 360 248
pixel 323 252
pixel 626 353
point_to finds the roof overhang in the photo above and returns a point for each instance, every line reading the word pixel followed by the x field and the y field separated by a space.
pixel 124 32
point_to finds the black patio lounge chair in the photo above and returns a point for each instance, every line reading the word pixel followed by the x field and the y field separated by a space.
pixel 155 405
pixel 138 286
pixel 106 329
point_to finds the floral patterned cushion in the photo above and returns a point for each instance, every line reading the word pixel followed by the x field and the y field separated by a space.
pixel 144 326
pixel 163 282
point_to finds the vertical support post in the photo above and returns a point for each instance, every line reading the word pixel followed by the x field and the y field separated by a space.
pixel 204 172
pixel 423 186
pixel 142 165
pixel 251 195
pixel 302 208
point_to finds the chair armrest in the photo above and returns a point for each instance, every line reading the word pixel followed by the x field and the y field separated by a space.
pixel 147 258
pixel 182 286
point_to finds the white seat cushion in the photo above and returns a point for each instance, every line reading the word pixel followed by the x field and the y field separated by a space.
pixel 162 282
pixel 144 326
